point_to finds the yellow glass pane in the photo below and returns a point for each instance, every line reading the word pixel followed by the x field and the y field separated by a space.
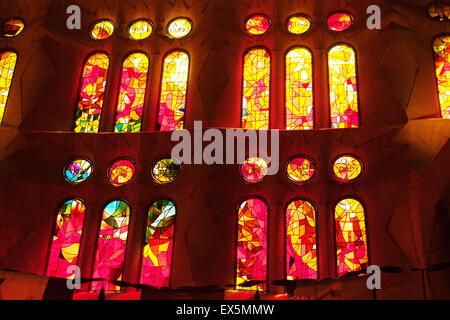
pixel 441 48
pixel 298 24
pixel 179 28
pixel 102 30
pixel 140 29
pixel 13 27
pixel 347 168
pixel 8 61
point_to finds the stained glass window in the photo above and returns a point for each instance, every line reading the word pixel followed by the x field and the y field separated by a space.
pixel 343 87
pixel 439 11
pixel 133 86
pixel 298 24
pixel 66 239
pixel 102 30
pixel 299 90
pixel 257 24
pixel 140 29
pixel 8 60
pixel 347 168
pixel 441 48
pixel 172 105
pixel 111 245
pixel 256 90
pixel 166 171
pixel 254 169
pixel 158 245
pixel 179 28
pixel 78 170
pixel 300 169
pixel 340 21
pixel 351 237
pixel 252 251
pixel 121 171
pixel 301 246
pixel 92 93
pixel 13 27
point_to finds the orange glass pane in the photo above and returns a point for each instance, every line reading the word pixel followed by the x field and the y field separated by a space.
pixel 347 168
pixel 441 47
pixel 102 30
pixel 13 27
pixel 300 169
pixel 121 172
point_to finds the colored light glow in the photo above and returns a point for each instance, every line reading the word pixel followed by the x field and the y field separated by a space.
pixel 92 93
pixel 8 60
pixel 158 245
pixel 441 48
pixel 347 168
pixel 172 106
pixel 256 90
pixel 299 90
pixel 340 21
pixel 300 169
pixel 254 169
pixel 351 237
pixel 298 24
pixel 257 24
pixel 121 172
pixel 140 29
pixel 179 28
pixel 66 239
pixel 78 170
pixel 301 246
pixel 439 11
pixel 13 27
pixel 251 254
pixel 102 30
pixel 343 87
pixel 166 171
pixel 111 246
pixel 133 86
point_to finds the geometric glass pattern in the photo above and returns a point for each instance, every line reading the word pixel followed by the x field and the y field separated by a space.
pixel 158 245
pixel 8 61
pixel 298 24
pixel 133 85
pixel 13 27
pixel 439 11
pixel 351 237
pixel 166 171
pixel 66 239
pixel 251 251
pixel 343 87
pixel 257 24
pixel 441 48
pixel 254 169
pixel 78 170
pixel 121 171
pixel 140 29
pixel 340 21
pixel 299 90
pixel 301 246
pixel 92 93
pixel 347 168
pixel 102 30
pixel 256 90
pixel 173 94
pixel 179 28
pixel 111 245
pixel 300 169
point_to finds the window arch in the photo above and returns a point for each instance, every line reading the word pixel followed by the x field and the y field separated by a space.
pixel 251 251
pixel 8 60
pixel 301 240
pixel 133 86
pixel 91 93
pixel 342 75
pixel 351 236
pixel 111 245
pixel 299 104
pixel 66 239
pixel 441 49
pixel 256 89
pixel 173 95
pixel 156 263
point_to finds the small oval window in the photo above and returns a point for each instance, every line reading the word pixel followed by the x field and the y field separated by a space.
pixel 102 30
pixel 179 28
pixel 78 170
pixel 347 168
pixel 254 169
pixel 257 24
pixel 121 172
pixel 300 169
pixel 166 171
pixel 439 11
pixel 298 24
pixel 140 29
pixel 340 21
pixel 13 27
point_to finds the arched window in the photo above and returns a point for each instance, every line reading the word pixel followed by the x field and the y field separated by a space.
pixel 256 90
pixel 158 246
pixel 251 252
pixel 344 109
pixel 66 239
pixel 174 82
pixel 441 47
pixel 92 93
pixel 8 61
pixel 301 246
pixel 351 236
pixel 299 90
pixel 133 86
pixel 111 245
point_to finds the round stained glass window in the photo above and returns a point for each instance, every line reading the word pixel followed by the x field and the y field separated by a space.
pixel 13 27
pixel 300 169
pixel 298 24
pixel 102 30
pixel 140 29
pixel 347 168
pixel 166 171
pixel 340 21
pixel 439 11
pixel 257 24
pixel 78 170
pixel 121 172
pixel 254 169
pixel 179 28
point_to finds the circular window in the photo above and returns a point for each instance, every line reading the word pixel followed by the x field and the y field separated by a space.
pixel 102 30
pixel 121 172
pixel 347 168
pixel 300 169
pixel 439 11
pixel 179 28
pixel 140 29
pixel 298 24
pixel 254 169
pixel 13 27
pixel 340 21
pixel 166 171
pixel 257 24
pixel 78 170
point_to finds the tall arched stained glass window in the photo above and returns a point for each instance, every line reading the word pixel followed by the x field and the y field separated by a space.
pixel 174 82
pixel 351 236
pixel 301 247
pixel 92 93
pixel 66 239
pixel 344 109
pixel 251 252
pixel 299 90
pixel 158 246
pixel 111 245
pixel 256 90
pixel 8 61
pixel 441 48
pixel 133 86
